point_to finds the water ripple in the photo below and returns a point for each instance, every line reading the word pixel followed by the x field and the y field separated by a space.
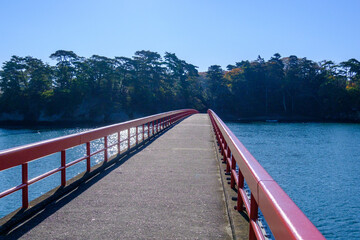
pixel 317 165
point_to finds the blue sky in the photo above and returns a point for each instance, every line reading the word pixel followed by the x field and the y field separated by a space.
pixel 201 32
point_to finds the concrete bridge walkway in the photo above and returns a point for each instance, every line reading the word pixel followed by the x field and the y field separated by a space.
pixel 170 189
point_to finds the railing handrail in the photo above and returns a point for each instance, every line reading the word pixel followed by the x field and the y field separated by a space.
pixel 18 155
pixel 283 216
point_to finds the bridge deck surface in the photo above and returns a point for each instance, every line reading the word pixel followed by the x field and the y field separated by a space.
pixel 170 189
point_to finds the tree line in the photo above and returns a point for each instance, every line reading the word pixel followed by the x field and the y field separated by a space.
pixel 109 89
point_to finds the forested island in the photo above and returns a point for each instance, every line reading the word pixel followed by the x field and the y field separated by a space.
pixel 101 89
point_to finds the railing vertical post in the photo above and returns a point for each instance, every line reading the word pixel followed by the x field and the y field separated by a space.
pixel 219 137
pixel 137 140
pixel 143 134
pixel 233 170
pixel 148 130
pixel 253 217
pixel 152 127
pixel 223 147
pixel 228 154
pixel 106 149
pixel 25 190
pixel 129 139
pixel 240 201
pixel 63 170
pixel 119 142
pixel 88 152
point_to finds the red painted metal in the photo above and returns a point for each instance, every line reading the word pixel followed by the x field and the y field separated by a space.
pixel 25 189
pixel 284 218
pixel 88 152
pixel 63 166
pixel 22 155
pixel 152 132
pixel 233 179
pixel 228 161
pixel 12 190
pixel 77 161
pixel 42 176
pixel 143 132
pixel 148 129
pixel 254 232
pixel 98 151
pixel 112 145
pixel 105 149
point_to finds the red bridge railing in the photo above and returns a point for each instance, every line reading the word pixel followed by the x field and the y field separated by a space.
pixel 144 128
pixel 284 218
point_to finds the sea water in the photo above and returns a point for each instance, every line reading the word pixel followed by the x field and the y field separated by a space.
pixel 318 166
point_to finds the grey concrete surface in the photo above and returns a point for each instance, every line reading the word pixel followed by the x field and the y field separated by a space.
pixel 171 189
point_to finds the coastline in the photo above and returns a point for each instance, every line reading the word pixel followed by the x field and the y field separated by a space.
pixel 92 124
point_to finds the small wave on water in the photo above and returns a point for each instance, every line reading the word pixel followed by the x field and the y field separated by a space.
pixel 317 164
pixel 9 178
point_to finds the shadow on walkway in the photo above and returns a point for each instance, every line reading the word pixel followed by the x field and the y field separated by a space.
pixel 17 230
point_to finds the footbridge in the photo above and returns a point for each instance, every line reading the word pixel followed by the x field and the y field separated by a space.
pixel 174 175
